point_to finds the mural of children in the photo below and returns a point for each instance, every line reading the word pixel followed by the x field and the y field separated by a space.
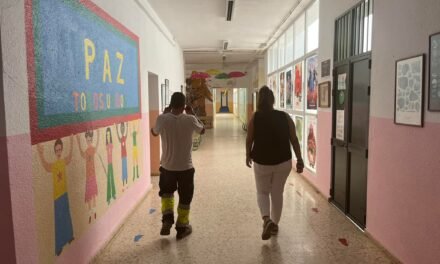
pixel 123 140
pixel 111 190
pixel 91 185
pixel 63 220
pixel 311 147
pixel 135 154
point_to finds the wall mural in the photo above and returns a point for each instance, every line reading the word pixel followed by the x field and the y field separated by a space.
pixel 85 107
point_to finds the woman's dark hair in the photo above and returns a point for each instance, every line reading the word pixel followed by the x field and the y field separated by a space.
pixel 265 99
pixel 58 142
pixel 108 130
pixel 177 100
pixel 89 133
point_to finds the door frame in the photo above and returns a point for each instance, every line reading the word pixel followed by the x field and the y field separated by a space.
pixel 347 131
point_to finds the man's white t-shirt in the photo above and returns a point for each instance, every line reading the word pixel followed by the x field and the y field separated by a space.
pixel 176 133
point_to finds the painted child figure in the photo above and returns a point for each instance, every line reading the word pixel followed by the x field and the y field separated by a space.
pixel 91 185
pixel 111 190
pixel 63 220
pixel 135 154
pixel 123 140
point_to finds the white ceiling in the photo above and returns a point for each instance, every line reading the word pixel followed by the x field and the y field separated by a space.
pixel 200 26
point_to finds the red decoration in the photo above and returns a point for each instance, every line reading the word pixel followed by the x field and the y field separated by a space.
pixel 343 241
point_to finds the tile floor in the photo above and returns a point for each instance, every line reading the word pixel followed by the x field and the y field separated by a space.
pixel 226 222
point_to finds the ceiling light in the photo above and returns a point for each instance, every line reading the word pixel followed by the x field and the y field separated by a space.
pixel 229 9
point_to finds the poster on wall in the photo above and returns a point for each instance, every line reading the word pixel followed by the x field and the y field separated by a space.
pixel 408 109
pixel 434 73
pixel 340 124
pixel 312 83
pixel 289 89
pixel 96 80
pixel 298 99
pixel 84 103
pixel 311 140
pixel 299 126
pixel 282 91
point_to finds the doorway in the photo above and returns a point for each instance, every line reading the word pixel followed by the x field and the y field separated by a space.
pixel 153 104
pixel 351 111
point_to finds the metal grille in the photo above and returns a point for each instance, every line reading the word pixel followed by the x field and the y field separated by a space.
pixel 353 31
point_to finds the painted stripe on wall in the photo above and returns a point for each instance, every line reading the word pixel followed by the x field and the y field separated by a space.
pixel 403 206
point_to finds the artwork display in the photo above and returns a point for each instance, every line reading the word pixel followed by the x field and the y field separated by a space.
pixel 289 89
pixel 434 73
pixel 325 68
pixel 299 91
pixel 282 91
pixel 299 126
pixel 311 140
pixel 409 91
pixel 83 105
pixel 324 94
pixel 312 83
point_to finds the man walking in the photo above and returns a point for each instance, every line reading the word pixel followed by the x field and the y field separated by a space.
pixel 176 172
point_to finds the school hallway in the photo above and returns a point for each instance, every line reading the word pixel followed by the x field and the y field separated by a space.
pixel 226 222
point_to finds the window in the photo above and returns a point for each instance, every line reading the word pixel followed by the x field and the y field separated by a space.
pixel 289 45
pixel 299 36
pixel 312 17
pixel 281 43
pixel 275 56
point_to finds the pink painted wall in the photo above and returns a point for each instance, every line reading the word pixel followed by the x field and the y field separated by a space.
pixel 7 249
pixel 322 179
pixel 403 207
pixel 22 196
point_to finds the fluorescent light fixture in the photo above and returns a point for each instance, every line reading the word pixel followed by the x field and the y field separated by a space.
pixel 229 9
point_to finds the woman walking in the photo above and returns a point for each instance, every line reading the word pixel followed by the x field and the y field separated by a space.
pixel 270 133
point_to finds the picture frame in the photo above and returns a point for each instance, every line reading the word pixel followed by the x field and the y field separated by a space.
pixel 324 97
pixel 163 96
pixel 409 91
pixel 434 73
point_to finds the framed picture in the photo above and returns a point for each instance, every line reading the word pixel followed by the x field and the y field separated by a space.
pixel 434 73
pixel 324 95
pixel 282 91
pixel 164 96
pixel 298 98
pixel 408 100
pixel 311 142
pixel 325 68
pixel 312 83
pixel 289 89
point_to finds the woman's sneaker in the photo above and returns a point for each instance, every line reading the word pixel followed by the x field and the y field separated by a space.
pixel 274 230
pixel 267 229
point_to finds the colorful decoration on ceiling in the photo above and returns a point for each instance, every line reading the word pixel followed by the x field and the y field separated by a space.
pixel 216 74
